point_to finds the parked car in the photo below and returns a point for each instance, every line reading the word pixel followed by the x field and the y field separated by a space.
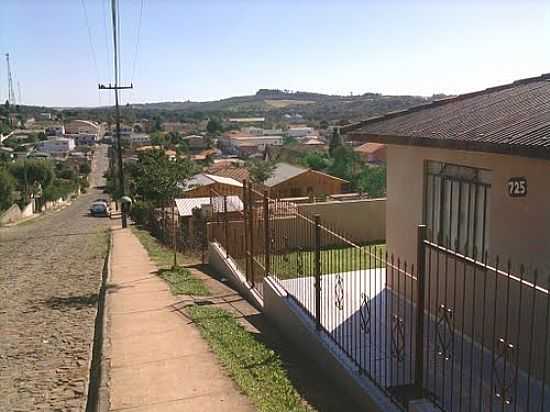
pixel 100 208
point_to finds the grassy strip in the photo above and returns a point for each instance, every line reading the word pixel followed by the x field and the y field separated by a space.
pixel 161 255
pixel 332 261
pixel 182 282
pixel 254 367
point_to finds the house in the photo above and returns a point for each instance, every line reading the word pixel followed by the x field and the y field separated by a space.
pixel 229 168
pixel 204 184
pixel 474 168
pixel 56 145
pixel 298 132
pixel 196 142
pixel 247 144
pixel 371 152
pixel 292 181
pixel 82 126
pixel 55 130
pixel 83 139
pixel 135 139
pixel 246 120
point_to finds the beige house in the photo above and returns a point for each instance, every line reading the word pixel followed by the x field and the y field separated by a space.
pixel 475 169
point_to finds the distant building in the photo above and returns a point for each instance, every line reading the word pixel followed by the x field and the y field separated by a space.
pixel 196 142
pixel 293 181
pixel 44 116
pixel 83 139
pixel 246 145
pixel 204 184
pixel 242 120
pixel 56 130
pixel 298 132
pixel 135 139
pixel 372 152
pixel 56 145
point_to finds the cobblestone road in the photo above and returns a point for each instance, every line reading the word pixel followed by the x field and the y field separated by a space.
pixel 50 271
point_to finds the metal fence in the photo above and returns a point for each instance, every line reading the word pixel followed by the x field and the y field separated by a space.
pixel 450 327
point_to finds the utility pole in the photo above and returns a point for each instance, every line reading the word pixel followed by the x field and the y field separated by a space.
pixel 116 88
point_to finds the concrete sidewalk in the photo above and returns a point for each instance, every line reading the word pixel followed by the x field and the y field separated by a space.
pixel 159 362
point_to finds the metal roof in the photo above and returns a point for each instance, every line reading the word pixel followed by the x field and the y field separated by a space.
pixel 204 179
pixel 282 172
pixel 185 206
pixel 510 119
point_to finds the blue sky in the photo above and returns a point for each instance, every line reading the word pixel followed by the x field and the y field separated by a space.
pixel 203 50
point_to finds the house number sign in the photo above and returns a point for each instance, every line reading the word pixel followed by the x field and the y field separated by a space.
pixel 517 187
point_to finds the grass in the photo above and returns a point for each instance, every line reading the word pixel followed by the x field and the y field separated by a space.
pixel 254 367
pixel 182 282
pixel 332 261
pixel 180 279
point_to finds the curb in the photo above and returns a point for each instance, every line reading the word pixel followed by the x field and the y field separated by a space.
pixel 98 382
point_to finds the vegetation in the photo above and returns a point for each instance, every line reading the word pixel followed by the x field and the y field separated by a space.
pixel 372 180
pixel 182 282
pixel 257 369
pixel 260 170
pixel 7 188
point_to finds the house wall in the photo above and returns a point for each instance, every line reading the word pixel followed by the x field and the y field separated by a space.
pixel 518 228
pixel 319 183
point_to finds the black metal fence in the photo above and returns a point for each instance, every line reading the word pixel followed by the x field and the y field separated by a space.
pixel 450 327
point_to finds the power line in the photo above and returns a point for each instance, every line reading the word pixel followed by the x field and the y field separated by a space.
pixel 94 59
pixel 138 37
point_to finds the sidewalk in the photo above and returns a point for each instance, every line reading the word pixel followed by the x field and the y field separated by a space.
pixel 159 362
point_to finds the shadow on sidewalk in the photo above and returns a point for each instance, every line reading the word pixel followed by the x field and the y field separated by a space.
pixel 311 382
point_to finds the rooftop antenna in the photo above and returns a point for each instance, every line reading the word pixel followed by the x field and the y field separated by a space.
pixel 11 94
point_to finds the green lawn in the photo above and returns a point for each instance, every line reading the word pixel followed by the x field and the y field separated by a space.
pixel 332 261
pixel 255 368
pixel 180 279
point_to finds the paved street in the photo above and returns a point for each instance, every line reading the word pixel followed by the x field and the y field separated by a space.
pixel 50 270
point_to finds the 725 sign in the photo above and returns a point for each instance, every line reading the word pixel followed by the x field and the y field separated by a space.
pixel 517 187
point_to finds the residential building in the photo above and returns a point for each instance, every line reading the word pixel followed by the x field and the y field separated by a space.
pixel 246 120
pixel 371 152
pixel 135 139
pixel 246 144
pixel 298 132
pixel 55 130
pixel 56 145
pixel 229 168
pixel 474 168
pixel 204 184
pixel 177 127
pixel 83 139
pixel 293 181
pixel 196 142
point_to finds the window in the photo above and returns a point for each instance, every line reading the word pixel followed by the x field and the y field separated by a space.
pixel 456 207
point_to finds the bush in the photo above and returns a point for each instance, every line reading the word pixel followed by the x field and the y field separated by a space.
pixel 60 188
pixel 7 187
pixel 140 212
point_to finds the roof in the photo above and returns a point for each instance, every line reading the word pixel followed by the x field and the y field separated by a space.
pixel 185 206
pixel 235 172
pixel 509 119
pixel 283 172
pixel 204 179
pixel 369 148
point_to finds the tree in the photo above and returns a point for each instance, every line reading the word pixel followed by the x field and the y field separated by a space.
pixel 260 170
pixel 7 187
pixel 84 169
pixel 288 140
pixel 372 181
pixel 31 173
pixel 323 124
pixel 343 163
pixel 214 126
pixel 315 161
pixel 158 179
pixel 335 141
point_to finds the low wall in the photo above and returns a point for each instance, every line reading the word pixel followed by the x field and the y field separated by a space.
pixel 15 213
pixel 301 331
pixel 364 221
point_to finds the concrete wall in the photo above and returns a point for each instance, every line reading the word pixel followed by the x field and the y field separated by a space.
pixel 517 228
pixel 364 221
pixel 15 213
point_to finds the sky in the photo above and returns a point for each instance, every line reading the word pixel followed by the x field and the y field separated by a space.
pixel 212 49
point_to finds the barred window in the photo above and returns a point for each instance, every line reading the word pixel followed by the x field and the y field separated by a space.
pixel 456 206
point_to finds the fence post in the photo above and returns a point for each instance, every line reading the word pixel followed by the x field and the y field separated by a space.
pixel 226 243
pixel 420 307
pixel 267 239
pixel 175 233
pixel 318 272
pixel 251 234
pixel 245 228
